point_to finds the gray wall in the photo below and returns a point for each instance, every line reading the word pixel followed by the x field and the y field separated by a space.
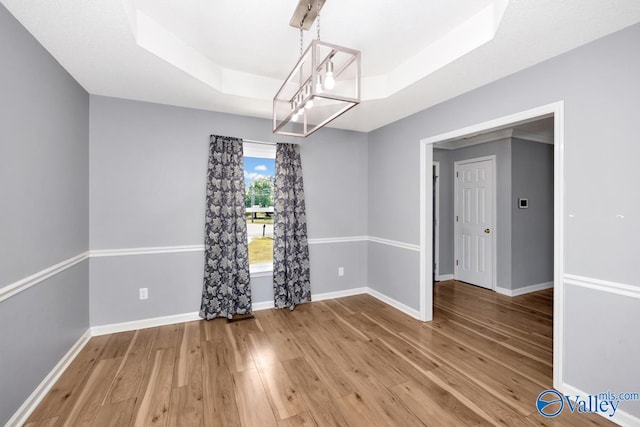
pixel 531 228
pixel 599 85
pixel 397 276
pixel 148 174
pixel 44 119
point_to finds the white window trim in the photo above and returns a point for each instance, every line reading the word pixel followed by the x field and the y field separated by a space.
pixel 261 270
pixel 251 149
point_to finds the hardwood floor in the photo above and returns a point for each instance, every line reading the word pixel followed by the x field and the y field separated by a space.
pixel 350 361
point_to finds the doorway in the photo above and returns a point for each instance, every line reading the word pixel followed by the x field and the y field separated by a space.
pixel 555 110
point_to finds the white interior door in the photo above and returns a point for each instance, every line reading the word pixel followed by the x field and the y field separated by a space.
pixel 474 226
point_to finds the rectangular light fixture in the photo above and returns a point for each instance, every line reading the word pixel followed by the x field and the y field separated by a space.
pixel 324 84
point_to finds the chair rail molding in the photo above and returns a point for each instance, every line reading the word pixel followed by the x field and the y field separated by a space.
pixel 42 275
pixel 603 285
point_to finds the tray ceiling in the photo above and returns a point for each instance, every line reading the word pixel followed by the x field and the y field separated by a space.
pixel 231 56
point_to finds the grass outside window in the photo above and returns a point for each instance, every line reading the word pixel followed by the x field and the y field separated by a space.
pixel 261 250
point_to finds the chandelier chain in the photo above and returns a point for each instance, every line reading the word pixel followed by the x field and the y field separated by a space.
pixel 301 39
pixel 318 24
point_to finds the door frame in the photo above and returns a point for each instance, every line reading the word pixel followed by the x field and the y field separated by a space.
pixel 494 216
pixel 555 110
pixel 436 221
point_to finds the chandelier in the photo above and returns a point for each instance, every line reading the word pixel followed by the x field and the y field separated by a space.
pixel 324 83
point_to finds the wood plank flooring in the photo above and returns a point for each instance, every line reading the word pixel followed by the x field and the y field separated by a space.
pixel 350 361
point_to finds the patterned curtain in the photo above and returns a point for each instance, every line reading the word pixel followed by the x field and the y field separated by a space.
pixel 291 284
pixel 226 289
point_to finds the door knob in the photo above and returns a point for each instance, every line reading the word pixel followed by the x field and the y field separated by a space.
pixel 487 230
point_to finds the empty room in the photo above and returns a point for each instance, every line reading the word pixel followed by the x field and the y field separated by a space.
pixel 313 212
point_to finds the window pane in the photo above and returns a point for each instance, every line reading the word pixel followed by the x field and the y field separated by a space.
pixel 259 176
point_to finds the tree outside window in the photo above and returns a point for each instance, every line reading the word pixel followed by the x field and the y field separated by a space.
pixel 259 176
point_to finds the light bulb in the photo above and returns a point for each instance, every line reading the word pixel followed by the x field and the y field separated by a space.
pixel 329 81
pixel 319 84
pixel 307 93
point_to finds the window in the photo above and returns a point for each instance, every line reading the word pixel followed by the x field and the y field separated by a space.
pixel 259 176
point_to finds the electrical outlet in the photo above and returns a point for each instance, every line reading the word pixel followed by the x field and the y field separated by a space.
pixel 144 293
pixel 340 271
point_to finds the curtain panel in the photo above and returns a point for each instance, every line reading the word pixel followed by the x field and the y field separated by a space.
pixel 226 289
pixel 291 277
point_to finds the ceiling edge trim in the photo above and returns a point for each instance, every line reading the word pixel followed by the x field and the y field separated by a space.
pixel 166 45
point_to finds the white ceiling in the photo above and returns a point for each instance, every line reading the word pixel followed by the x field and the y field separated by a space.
pixel 231 55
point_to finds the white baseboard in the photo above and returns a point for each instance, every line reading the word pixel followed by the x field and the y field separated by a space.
pixel 525 290
pixel 339 294
pixel 264 305
pixel 189 317
pixel 144 323
pixel 256 306
pixel 395 304
pixel 621 417
pixel 25 410
pixel 444 277
pixel 161 321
